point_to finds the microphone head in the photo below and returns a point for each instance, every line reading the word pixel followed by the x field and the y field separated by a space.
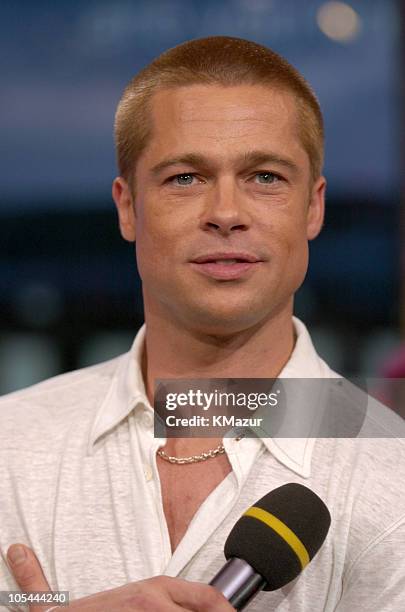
pixel 280 534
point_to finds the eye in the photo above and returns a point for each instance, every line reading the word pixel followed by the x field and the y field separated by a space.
pixel 182 180
pixel 267 178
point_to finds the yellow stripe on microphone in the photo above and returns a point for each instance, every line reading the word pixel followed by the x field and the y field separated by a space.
pixel 283 531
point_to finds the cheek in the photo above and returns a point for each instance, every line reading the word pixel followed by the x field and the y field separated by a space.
pixel 297 263
pixel 153 229
pixel 291 251
pixel 157 245
pixel 288 236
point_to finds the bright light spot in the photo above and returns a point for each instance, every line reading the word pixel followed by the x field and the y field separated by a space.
pixel 338 21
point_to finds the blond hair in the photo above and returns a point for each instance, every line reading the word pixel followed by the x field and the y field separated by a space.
pixel 216 60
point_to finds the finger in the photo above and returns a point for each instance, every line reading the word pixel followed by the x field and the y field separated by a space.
pixel 199 597
pixel 27 571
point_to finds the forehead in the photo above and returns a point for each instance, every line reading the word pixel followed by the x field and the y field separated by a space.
pixel 218 102
pixel 219 121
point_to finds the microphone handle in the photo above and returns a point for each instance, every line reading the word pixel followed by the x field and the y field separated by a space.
pixel 238 582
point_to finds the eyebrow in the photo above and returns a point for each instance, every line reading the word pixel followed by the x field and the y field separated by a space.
pixel 250 158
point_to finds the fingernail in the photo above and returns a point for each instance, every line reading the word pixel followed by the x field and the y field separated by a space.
pixel 17 554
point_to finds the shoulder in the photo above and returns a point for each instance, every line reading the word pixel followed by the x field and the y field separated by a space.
pixel 55 403
pixel 364 486
pixel 360 454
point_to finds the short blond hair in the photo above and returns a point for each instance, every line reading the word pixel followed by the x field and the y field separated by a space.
pixel 216 60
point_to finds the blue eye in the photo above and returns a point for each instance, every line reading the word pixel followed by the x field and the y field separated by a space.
pixel 268 177
pixel 183 179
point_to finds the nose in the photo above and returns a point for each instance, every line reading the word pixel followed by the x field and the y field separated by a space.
pixel 225 211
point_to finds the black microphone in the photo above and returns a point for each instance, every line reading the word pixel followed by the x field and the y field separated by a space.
pixel 272 543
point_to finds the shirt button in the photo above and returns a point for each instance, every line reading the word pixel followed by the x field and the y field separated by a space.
pixel 147 470
pixel 147 420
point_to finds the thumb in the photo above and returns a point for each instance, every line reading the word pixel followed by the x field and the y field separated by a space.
pixel 27 570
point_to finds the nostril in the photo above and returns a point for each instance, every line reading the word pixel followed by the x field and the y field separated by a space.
pixel 224 227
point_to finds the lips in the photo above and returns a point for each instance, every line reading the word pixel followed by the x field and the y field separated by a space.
pixel 221 257
pixel 226 266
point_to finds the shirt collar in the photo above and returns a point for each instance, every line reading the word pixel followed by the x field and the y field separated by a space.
pixel 304 362
pixel 127 392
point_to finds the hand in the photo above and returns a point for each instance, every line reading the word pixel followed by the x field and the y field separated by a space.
pixel 158 594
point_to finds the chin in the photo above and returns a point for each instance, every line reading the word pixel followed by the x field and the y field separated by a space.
pixel 225 322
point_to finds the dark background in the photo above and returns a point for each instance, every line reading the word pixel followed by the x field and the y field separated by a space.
pixel 69 292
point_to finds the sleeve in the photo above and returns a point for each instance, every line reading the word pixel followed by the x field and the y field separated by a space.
pixel 376 580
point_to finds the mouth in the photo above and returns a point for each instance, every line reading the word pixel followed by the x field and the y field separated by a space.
pixel 226 266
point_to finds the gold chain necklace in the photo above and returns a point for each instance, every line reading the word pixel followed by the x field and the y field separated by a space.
pixel 210 454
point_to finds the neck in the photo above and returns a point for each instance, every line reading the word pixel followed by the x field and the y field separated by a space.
pixel 173 351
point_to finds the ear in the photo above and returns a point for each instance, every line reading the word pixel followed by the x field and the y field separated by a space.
pixel 316 208
pixel 122 197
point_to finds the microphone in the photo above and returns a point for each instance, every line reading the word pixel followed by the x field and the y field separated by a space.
pixel 272 543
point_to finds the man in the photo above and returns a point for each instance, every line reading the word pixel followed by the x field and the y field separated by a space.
pixel 219 146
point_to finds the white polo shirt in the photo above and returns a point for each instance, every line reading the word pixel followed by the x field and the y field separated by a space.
pixel 79 485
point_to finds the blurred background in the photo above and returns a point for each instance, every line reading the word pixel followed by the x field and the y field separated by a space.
pixel 69 291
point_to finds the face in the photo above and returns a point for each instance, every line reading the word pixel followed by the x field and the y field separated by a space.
pixel 223 207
